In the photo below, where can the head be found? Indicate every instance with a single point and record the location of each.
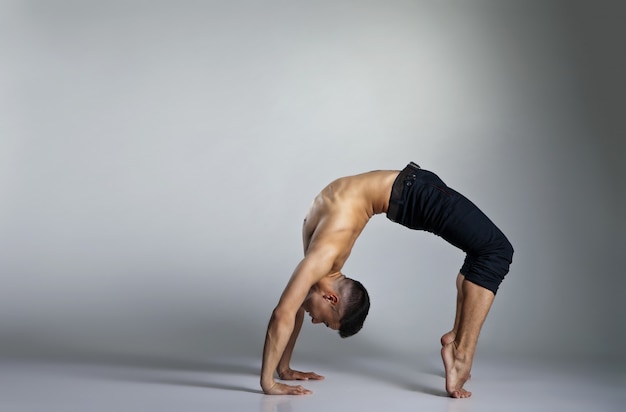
(340, 303)
(355, 307)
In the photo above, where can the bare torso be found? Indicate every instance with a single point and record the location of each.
(342, 209)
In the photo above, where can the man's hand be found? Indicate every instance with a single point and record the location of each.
(291, 375)
(282, 389)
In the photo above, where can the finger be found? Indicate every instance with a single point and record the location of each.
(299, 390)
(304, 391)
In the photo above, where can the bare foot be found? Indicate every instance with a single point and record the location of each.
(447, 339)
(457, 371)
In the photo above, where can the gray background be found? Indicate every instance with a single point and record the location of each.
(157, 159)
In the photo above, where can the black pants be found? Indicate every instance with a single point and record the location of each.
(420, 200)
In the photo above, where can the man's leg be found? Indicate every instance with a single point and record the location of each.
(458, 355)
(450, 336)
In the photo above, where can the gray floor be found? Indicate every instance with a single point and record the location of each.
(231, 384)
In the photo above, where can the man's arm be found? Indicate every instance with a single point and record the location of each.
(311, 269)
(284, 369)
(278, 332)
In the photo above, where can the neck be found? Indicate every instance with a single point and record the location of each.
(329, 282)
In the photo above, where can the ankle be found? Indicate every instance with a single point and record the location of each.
(461, 354)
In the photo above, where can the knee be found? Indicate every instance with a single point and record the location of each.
(506, 250)
(459, 283)
(509, 251)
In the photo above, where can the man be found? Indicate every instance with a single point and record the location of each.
(417, 199)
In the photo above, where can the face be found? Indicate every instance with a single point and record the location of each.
(320, 308)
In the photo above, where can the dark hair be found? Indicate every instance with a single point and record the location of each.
(356, 305)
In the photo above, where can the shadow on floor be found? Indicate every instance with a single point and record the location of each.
(190, 383)
(394, 372)
(412, 376)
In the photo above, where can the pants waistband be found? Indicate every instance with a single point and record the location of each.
(405, 178)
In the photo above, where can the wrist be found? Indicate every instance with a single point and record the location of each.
(284, 373)
(266, 384)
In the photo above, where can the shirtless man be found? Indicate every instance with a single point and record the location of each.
(417, 199)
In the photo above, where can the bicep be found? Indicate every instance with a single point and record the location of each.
(309, 271)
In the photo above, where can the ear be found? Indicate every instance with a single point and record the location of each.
(331, 297)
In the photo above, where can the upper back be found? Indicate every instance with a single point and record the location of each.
(341, 210)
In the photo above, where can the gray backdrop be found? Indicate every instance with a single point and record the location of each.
(157, 159)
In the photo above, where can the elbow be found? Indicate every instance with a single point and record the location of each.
(282, 318)
(278, 315)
